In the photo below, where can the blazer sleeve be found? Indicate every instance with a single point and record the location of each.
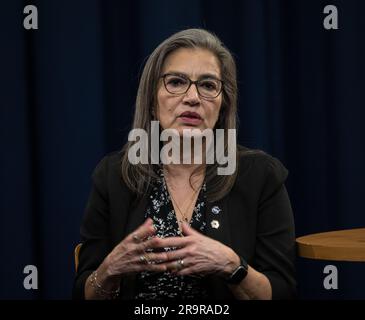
(94, 230)
(275, 246)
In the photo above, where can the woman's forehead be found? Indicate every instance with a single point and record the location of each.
(194, 63)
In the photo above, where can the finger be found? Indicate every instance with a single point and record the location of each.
(156, 268)
(187, 272)
(144, 231)
(148, 258)
(176, 265)
(152, 268)
(157, 243)
(188, 230)
(148, 244)
(176, 254)
(156, 257)
(168, 242)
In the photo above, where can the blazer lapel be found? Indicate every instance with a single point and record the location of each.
(218, 228)
(217, 220)
(136, 215)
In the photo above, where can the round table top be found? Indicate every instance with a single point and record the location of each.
(342, 245)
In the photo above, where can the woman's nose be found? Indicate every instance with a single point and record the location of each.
(192, 95)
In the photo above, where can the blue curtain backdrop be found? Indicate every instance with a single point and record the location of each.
(67, 96)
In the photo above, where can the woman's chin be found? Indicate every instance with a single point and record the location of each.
(189, 128)
(186, 130)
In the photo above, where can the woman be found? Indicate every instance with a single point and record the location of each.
(156, 231)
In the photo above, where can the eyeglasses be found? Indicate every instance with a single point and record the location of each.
(208, 88)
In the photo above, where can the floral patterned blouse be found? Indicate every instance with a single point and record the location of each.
(152, 285)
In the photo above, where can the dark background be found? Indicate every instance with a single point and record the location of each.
(67, 96)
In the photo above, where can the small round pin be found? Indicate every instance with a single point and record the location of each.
(214, 224)
(216, 210)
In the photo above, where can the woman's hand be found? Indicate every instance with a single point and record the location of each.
(130, 256)
(199, 255)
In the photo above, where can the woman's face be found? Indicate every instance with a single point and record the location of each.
(189, 110)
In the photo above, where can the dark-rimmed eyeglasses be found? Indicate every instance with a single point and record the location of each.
(208, 88)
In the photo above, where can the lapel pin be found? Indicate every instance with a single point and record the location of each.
(214, 224)
(216, 210)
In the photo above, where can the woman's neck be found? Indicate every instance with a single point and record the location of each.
(183, 170)
(179, 175)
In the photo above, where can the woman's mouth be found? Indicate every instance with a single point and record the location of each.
(191, 118)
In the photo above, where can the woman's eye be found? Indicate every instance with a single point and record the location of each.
(208, 85)
(176, 82)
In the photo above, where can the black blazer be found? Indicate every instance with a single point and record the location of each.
(256, 221)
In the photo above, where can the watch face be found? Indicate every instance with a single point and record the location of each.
(239, 274)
